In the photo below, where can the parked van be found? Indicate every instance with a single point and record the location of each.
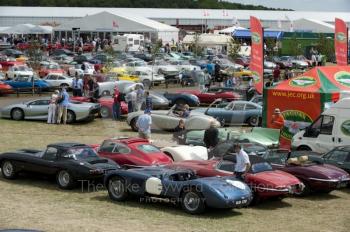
(128, 42)
(119, 43)
(329, 130)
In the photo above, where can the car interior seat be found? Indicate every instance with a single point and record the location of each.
(293, 161)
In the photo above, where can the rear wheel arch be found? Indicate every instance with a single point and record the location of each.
(304, 148)
(169, 155)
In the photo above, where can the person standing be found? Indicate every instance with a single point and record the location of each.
(75, 86)
(149, 104)
(277, 121)
(217, 71)
(201, 81)
(144, 123)
(139, 97)
(51, 118)
(62, 107)
(211, 136)
(80, 87)
(276, 74)
(242, 162)
(117, 98)
(128, 99)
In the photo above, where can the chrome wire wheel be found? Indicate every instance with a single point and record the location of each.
(8, 169)
(64, 178)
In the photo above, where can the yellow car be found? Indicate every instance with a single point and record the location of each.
(123, 77)
(237, 72)
(22, 58)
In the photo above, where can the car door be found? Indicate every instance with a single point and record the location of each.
(326, 138)
(165, 121)
(339, 158)
(342, 136)
(52, 80)
(46, 163)
(237, 115)
(37, 109)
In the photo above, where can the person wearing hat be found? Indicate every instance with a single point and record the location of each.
(277, 121)
(144, 123)
(51, 118)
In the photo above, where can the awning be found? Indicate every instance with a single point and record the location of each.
(267, 34)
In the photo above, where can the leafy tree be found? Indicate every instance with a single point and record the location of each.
(326, 46)
(234, 48)
(196, 48)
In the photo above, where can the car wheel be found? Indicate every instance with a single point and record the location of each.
(117, 190)
(17, 114)
(105, 113)
(256, 199)
(65, 180)
(306, 190)
(253, 121)
(192, 201)
(70, 117)
(133, 124)
(8, 170)
(106, 93)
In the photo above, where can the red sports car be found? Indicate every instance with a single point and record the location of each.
(5, 88)
(132, 152)
(106, 105)
(50, 68)
(213, 93)
(263, 180)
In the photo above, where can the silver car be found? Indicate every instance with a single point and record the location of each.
(56, 80)
(38, 110)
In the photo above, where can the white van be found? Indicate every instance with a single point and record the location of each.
(329, 130)
(119, 43)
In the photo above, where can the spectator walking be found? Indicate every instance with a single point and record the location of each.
(144, 123)
(211, 136)
(52, 114)
(276, 74)
(129, 101)
(117, 98)
(242, 162)
(62, 107)
(75, 86)
(148, 102)
(140, 93)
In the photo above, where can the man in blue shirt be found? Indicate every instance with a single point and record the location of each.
(63, 103)
(144, 123)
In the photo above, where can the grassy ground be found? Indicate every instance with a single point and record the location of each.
(38, 204)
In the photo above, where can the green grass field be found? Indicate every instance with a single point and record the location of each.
(38, 203)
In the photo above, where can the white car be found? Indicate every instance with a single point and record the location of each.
(162, 67)
(107, 88)
(58, 80)
(184, 65)
(168, 120)
(77, 70)
(181, 153)
(146, 77)
(19, 71)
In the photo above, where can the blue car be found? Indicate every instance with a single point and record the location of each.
(25, 83)
(235, 113)
(182, 98)
(194, 194)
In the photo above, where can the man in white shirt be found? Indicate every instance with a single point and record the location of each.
(242, 162)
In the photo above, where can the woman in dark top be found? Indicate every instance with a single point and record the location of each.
(180, 132)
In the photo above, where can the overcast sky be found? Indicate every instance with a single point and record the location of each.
(306, 5)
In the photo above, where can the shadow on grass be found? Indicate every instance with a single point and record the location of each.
(345, 190)
(169, 207)
(272, 204)
(317, 196)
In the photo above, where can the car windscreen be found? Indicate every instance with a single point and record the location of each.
(261, 167)
(148, 148)
(80, 153)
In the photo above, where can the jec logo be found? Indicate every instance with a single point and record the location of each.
(343, 78)
(303, 81)
(256, 38)
(341, 37)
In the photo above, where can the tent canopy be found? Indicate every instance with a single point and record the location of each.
(107, 22)
(27, 29)
(247, 34)
(230, 30)
(327, 79)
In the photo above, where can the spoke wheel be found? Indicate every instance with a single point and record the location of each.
(117, 189)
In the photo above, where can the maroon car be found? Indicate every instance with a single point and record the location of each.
(262, 179)
(315, 176)
(213, 93)
(132, 152)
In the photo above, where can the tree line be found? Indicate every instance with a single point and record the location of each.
(191, 4)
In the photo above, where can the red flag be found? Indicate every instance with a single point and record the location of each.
(341, 42)
(115, 24)
(257, 53)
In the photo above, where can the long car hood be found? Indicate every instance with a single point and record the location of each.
(324, 170)
(275, 178)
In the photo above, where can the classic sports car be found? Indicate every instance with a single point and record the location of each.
(69, 162)
(235, 113)
(46, 68)
(180, 153)
(19, 71)
(181, 99)
(210, 95)
(5, 88)
(265, 136)
(38, 110)
(25, 82)
(169, 120)
(316, 177)
(106, 103)
(262, 179)
(131, 152)
(183, 185)
(56, 80)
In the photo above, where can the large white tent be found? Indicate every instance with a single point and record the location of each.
(26, 29)
(111, 23)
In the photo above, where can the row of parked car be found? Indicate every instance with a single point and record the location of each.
(195, 178)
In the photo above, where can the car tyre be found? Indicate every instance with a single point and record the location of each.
(133, 125)
(253, 121)
(117, 189)
(65, 180)
(105, 112)
(17, 114)
(306, 191)
(106, 93)
(304, 148)
(192, 201)
(70, 117)
(8, 170)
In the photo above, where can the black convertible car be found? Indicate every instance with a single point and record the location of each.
(69, 162)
